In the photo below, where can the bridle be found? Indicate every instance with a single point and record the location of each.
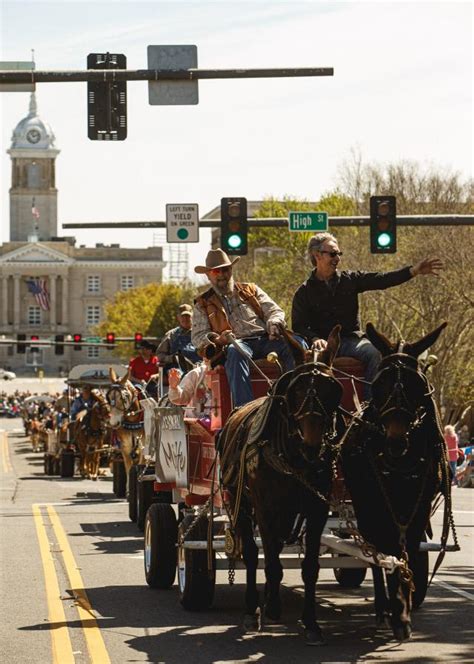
(125, 396)
(398, 400)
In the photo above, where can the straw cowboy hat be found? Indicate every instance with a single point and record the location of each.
(214, 259)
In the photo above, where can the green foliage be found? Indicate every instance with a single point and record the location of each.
(149, 309)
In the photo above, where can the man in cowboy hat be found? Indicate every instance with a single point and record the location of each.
(244, 310)
(176, 345)
(144, 367)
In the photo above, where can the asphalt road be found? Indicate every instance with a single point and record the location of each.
(73, 589)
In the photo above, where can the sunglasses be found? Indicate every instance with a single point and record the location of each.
(333, 254)
(219, 270)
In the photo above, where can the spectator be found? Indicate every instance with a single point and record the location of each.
(451, 440)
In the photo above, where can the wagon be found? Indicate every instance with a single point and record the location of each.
(96, 376)
(193, 543)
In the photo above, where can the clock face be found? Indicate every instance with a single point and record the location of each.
(33, 136)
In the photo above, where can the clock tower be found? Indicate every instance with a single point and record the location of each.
(33, 193)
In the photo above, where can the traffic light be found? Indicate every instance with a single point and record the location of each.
(20, 347)
(58, 346)
(383, 225)
(107, 102)
(77, 338)
(138, 339)
(234, 226)
(34, 349)
(110, 340)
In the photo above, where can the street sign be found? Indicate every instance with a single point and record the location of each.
(307, 221)
(92, 340)
(171, 58)
(182, 222)
(12, 65)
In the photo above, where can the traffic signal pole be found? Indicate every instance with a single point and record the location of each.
(282, 222)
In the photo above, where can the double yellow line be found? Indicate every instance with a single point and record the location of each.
(6, 463)
(61, 642)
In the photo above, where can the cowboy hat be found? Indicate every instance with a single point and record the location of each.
(147, 345)
(215, 258)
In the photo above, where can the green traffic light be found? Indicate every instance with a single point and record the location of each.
(234, 241)
(384, 240)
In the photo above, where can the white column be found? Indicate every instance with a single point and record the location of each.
(16, 301)
(4, 301)
(65, 299)
(52, 294)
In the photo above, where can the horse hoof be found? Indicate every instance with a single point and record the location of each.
(402, 633)
(314, 637)
(251, 622)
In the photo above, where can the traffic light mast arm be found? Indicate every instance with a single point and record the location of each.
(112, 76)
(282, 222)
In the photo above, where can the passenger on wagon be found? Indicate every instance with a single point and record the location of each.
(178, 342)
(330, 297)
(191, 391)
(82, 402)
(144, 368)
(248, 313)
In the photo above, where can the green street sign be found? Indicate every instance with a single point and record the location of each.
(93, 340)
(307, 221)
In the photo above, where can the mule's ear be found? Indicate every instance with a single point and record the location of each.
(419, 346)
(380, 342)
(112, 375)
(126, 377)
(334, 341)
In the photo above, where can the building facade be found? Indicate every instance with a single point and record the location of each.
(48, 285)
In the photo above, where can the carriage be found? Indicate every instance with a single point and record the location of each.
(97, 377)
(183, 452)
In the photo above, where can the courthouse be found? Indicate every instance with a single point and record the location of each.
(48, 285)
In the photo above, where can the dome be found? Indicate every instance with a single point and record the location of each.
(32, 131)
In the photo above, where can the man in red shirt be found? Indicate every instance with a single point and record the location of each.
(145, 366)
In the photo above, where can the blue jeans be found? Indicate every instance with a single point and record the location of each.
(453, 465)
(363, 350)
(237, 366)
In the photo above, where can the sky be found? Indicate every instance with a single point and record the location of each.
(402, 89)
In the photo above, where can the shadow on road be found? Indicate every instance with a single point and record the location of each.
(172, 634)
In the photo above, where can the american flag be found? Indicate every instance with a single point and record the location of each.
(35, 211)
(37, 287)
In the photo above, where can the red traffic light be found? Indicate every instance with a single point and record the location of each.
(77, 338)
(35, 348)
(110, 337)
(34, 337)
(138, 336)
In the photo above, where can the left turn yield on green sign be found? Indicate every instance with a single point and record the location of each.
(182, 222)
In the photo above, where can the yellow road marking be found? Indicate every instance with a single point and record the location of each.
(60, 641)
(95, 643)
(7, 466)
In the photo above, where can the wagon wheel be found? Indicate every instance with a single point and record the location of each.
(420, 568)
(67, 463)
(350, 577)
(144, 500)
(161, 534)
(132, 493)
(120, 479)
(196, 584)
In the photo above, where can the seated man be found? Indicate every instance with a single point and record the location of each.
(244, 310)
(144, 368)
(177, 342)
(83, 402)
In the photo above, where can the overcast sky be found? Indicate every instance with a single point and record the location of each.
(402, 89)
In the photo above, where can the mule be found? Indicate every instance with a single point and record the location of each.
(394, 465)
(277, 456)
(88, 432)
(125, 418)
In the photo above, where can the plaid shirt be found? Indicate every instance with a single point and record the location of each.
(243, 319)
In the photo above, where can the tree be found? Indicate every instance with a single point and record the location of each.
(149, 309)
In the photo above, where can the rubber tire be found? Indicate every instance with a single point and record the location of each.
(48, 467)
(421, 572)
(145, 495)
(132, 493)
(350, 577)
(120, 479)
(161, 536)
(66, 464)
(196, 588)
